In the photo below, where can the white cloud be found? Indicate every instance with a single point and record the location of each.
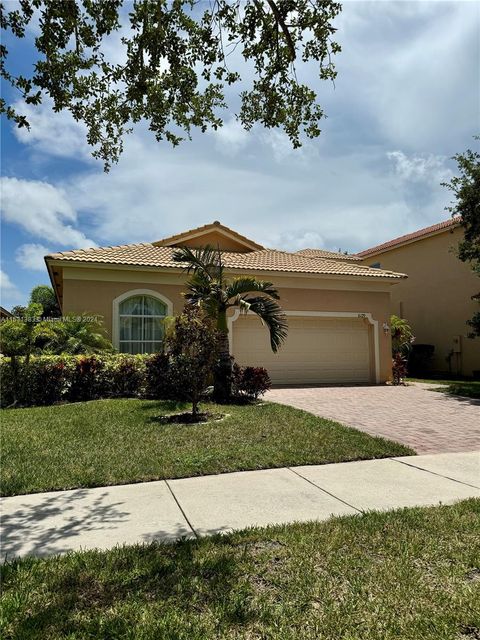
(346, 200)
(279, 144)
(5, 283)
(404, 102)
(409, 71)
(56, 134)
(31, 256)
(9, 293)
(42, 210)
(231, 137)
(420, 168)
(296, 240)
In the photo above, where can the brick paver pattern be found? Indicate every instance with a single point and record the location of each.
(426, 420)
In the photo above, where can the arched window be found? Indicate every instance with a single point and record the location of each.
(141, 324)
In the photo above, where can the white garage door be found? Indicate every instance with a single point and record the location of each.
(317, 350)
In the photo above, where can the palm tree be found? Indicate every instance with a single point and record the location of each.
(77, 334)
(208, 288)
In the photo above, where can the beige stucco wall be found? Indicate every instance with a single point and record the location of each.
(436, 297)
(93, 290)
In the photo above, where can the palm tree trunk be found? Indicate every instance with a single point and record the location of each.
(222, 385)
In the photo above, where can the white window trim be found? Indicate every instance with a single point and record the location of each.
(325, 314)
(130, 294)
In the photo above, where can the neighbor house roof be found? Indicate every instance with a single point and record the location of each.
(152, 255)
(330, 255)
(410, 237)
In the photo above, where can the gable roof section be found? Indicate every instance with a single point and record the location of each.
(329, 255)
(152, 255)
(217, 227)
(410, 237)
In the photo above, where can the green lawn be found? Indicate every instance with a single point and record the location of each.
(107, 442)
(411, 574)
(466, 388)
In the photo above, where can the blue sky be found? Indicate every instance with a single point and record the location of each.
(405, 100)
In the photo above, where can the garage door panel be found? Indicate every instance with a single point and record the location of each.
(317, 350)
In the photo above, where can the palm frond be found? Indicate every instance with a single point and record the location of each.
(204, 260)
(198, 286)
(271, 314)
(241, 286)
(201, 291)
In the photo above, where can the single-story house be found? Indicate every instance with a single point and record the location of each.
(338, 309)
(438, 297)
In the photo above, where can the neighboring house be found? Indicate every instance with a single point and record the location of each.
(338, 310)
(438, 297)
(4, 314)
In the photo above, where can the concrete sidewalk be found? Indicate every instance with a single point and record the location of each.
(56, 522)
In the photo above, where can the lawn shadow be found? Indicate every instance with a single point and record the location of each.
(168, 406)
(63, 521)
(447, 392)
(50, 524)
(180, 575)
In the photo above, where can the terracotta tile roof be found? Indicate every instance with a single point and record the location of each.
(149, 255)
(330, 255)
(416, 235)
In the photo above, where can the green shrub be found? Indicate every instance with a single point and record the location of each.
(50, 379)
(9, 382)
(402, 335)
(40, 381)
(127, 376)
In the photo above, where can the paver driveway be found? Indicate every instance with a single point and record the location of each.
(426, 420)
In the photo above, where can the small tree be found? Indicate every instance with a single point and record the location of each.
(45, 295)
(191, 344)
(18, 340)
(18, 335)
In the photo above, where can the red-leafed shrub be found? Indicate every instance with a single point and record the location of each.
(250, 382)
(126, 378)
(158, 379)
(86, 380)
(49, 381)
(399, 368)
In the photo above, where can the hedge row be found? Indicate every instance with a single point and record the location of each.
(47, 380)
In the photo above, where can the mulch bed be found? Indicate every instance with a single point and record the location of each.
(189, 418)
